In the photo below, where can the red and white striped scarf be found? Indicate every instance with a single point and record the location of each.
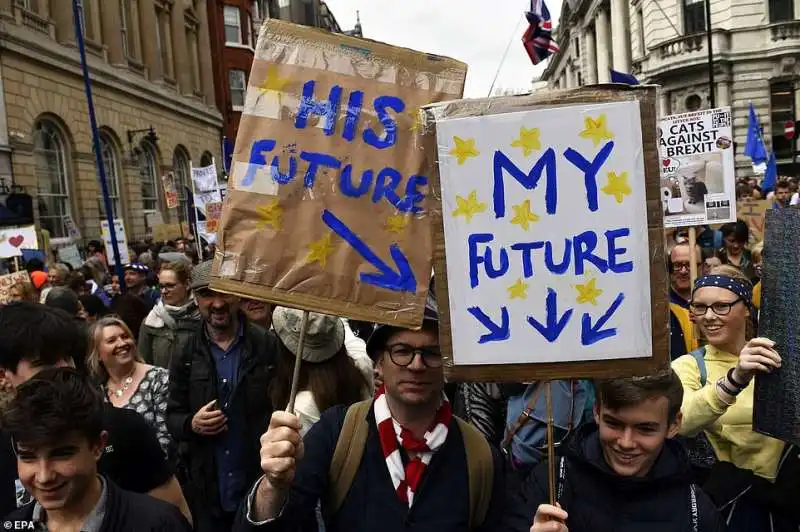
(407, 479)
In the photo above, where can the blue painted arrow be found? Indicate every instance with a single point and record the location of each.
(591, 334)
(497, 333)
(555, 325)
(401, 280)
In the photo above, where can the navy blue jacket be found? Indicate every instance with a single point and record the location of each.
(440, 505)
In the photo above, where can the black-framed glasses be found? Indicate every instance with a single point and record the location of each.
(720, 308)
(403, 355)
(167, 287)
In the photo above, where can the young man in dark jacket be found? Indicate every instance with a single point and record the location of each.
(625, 474)
(414, 472)
(56, 425)
(35, 337)
(218, 404)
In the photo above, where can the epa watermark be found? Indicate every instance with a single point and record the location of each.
(19, 525)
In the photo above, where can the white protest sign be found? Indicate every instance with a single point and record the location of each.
(698, 175)
(71, 255)
(202, 198)
(205, 178)
(14, 240)
(205, 234)
(72, 229)
(545, 228)
(122, 241)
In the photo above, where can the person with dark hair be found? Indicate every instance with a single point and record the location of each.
(681, 332)
(136, 281)
(782, 194)
(34, 337)
(131, 309)
(34, 265)
(257, 311)
(57, 459)
(735, 236)
(328, 376)
(624, 473)
(93, 307)
(64, 298)
(218, 404)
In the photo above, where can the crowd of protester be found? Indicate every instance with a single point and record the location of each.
(163, 408)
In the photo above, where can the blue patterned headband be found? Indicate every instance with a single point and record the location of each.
(741, 289)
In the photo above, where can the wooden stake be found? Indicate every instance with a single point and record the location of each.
(297, 361)
(551, 446)
(693, 260)
(16, 263)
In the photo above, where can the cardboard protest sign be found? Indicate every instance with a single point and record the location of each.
(328, 196)
(7, 281)
(205, 178)
(122, 241)
(776, 408)
(170, 191)
(752, 213)
(72, 229)
(71, 255)
(549, 242)
(213, 216)
(14, 240)
(698, 176)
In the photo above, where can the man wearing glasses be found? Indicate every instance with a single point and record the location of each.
(218, 405)
(416, 471)
(681, 333)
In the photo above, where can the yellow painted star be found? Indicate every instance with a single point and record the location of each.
(596, 130)
(271, 215)
(318, 251)
(464, 149)
(396, 223)
(528, 140)
(518, 290)
(416, 117)
(617, 186)
(468, 207)
(588, 293)
(273, 81)
(523, 215)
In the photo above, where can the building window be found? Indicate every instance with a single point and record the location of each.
(180, 168)
(149, 178)
(781, 10)
(129, 21)
(233, 25)
(123, 13)
(693, 103)
(579, 79)
(310, 12)
(206, 159)
(52, 177)
(248, 28)
(640, 32)
(111, 167)
(24, 4)
(694, 16)
(781, 110)
(238, 87)
(577, 43)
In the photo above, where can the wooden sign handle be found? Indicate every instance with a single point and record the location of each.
(297, 361)
(692, 255)
(551, 446)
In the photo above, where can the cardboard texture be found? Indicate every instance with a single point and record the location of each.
(646, 96)
(349, 235)
(752, 213)
(164, 232)
(776, 408)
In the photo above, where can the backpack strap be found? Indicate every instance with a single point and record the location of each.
(699, 355)
(347, 455)
(523, 418)
(480, 470)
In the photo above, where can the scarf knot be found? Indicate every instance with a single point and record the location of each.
(407, 479)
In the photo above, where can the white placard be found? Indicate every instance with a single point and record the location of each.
(201, 198)
(545, 228)
(122, 241)
(71, 255)
(14, 240)
(698, 175)
(72, 229)
(205, 178)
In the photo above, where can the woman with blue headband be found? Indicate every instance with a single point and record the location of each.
(718, 403)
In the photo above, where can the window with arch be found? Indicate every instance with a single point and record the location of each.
(181, 169)
(206, 159)
(112, 170)
(148, 174)
(52, 177)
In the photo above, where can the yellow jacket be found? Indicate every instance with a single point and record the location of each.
(729, 428)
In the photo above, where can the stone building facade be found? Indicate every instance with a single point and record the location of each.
(756, 51)
(150, 65)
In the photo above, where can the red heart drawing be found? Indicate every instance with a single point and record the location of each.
(16, 241)
(666, 162)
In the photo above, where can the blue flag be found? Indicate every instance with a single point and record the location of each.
(622, 77)
(771, 176)
(227, 154)
(754, 147)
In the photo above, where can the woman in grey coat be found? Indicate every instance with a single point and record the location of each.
(169, 325)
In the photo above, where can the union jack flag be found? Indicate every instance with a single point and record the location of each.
(538, 38)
